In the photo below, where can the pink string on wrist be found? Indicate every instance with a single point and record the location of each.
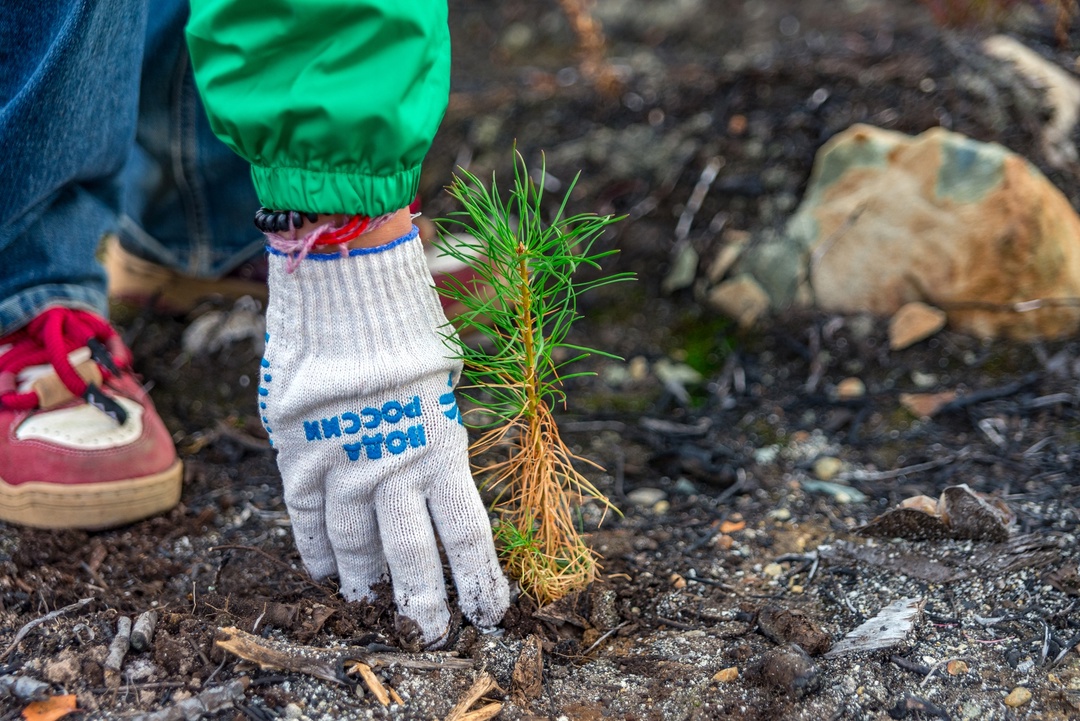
(296, 248)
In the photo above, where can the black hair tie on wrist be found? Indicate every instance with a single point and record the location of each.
(277, 221)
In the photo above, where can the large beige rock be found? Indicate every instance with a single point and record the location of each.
(968, 227)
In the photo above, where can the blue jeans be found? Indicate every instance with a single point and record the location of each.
(102, 131)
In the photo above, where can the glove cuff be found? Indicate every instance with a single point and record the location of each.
(376, 304)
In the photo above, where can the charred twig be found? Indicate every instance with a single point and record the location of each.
(244, 440)
(990, 394)
(117, 651)
(212, 700)
(693, 205)
(897, 472)
(911, 703)
(27, 628)
(142, 634)
(808, 559)
(675, 624)
(937, 666)
(817, 367)
(1068, 646)
(197, 650)
(24, 688)
(919, 668)
(711, 582)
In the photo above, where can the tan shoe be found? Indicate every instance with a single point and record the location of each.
(135, 283)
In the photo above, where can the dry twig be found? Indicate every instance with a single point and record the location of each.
(592, 45)
(38, 621)
(322, 663)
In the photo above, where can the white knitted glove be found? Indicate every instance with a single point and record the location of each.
(357, 396)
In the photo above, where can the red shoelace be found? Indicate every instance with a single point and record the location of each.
(49, 338)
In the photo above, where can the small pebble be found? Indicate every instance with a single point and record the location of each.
(732, 525)
(923, 381)
(645, 496)
(956, 667)
(780, 514)
(787, 669)
(677, 581)
(785, 625)
(850, 389)
(826, 468)
(726, 675)
(773, 570)
(724, 542)
(1017, 697)
(661, 507)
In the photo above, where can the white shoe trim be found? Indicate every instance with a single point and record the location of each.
(83, 427)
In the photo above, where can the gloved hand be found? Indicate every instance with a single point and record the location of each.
(357, 397)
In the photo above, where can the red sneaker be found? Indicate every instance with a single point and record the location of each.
(81, 445)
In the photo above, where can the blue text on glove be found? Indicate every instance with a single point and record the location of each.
(372, 445)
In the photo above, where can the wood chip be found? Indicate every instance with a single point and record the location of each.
(926, 405)
(888, 628)
(372, 682)
(527, 681)
(484, 684)
(50, 709)
(483, 713)
(914, 322)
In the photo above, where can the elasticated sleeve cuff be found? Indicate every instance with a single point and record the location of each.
(335, 191)
(333, 102)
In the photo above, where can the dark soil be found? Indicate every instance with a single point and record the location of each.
(729, 549)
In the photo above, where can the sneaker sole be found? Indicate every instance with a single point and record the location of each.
(91, 506)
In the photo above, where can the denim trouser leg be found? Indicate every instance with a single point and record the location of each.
(74, 167)
(69, 76)
(188, 199)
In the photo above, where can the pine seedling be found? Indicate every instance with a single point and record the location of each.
(522, 304)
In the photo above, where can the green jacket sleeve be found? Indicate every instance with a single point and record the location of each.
(333, 102)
